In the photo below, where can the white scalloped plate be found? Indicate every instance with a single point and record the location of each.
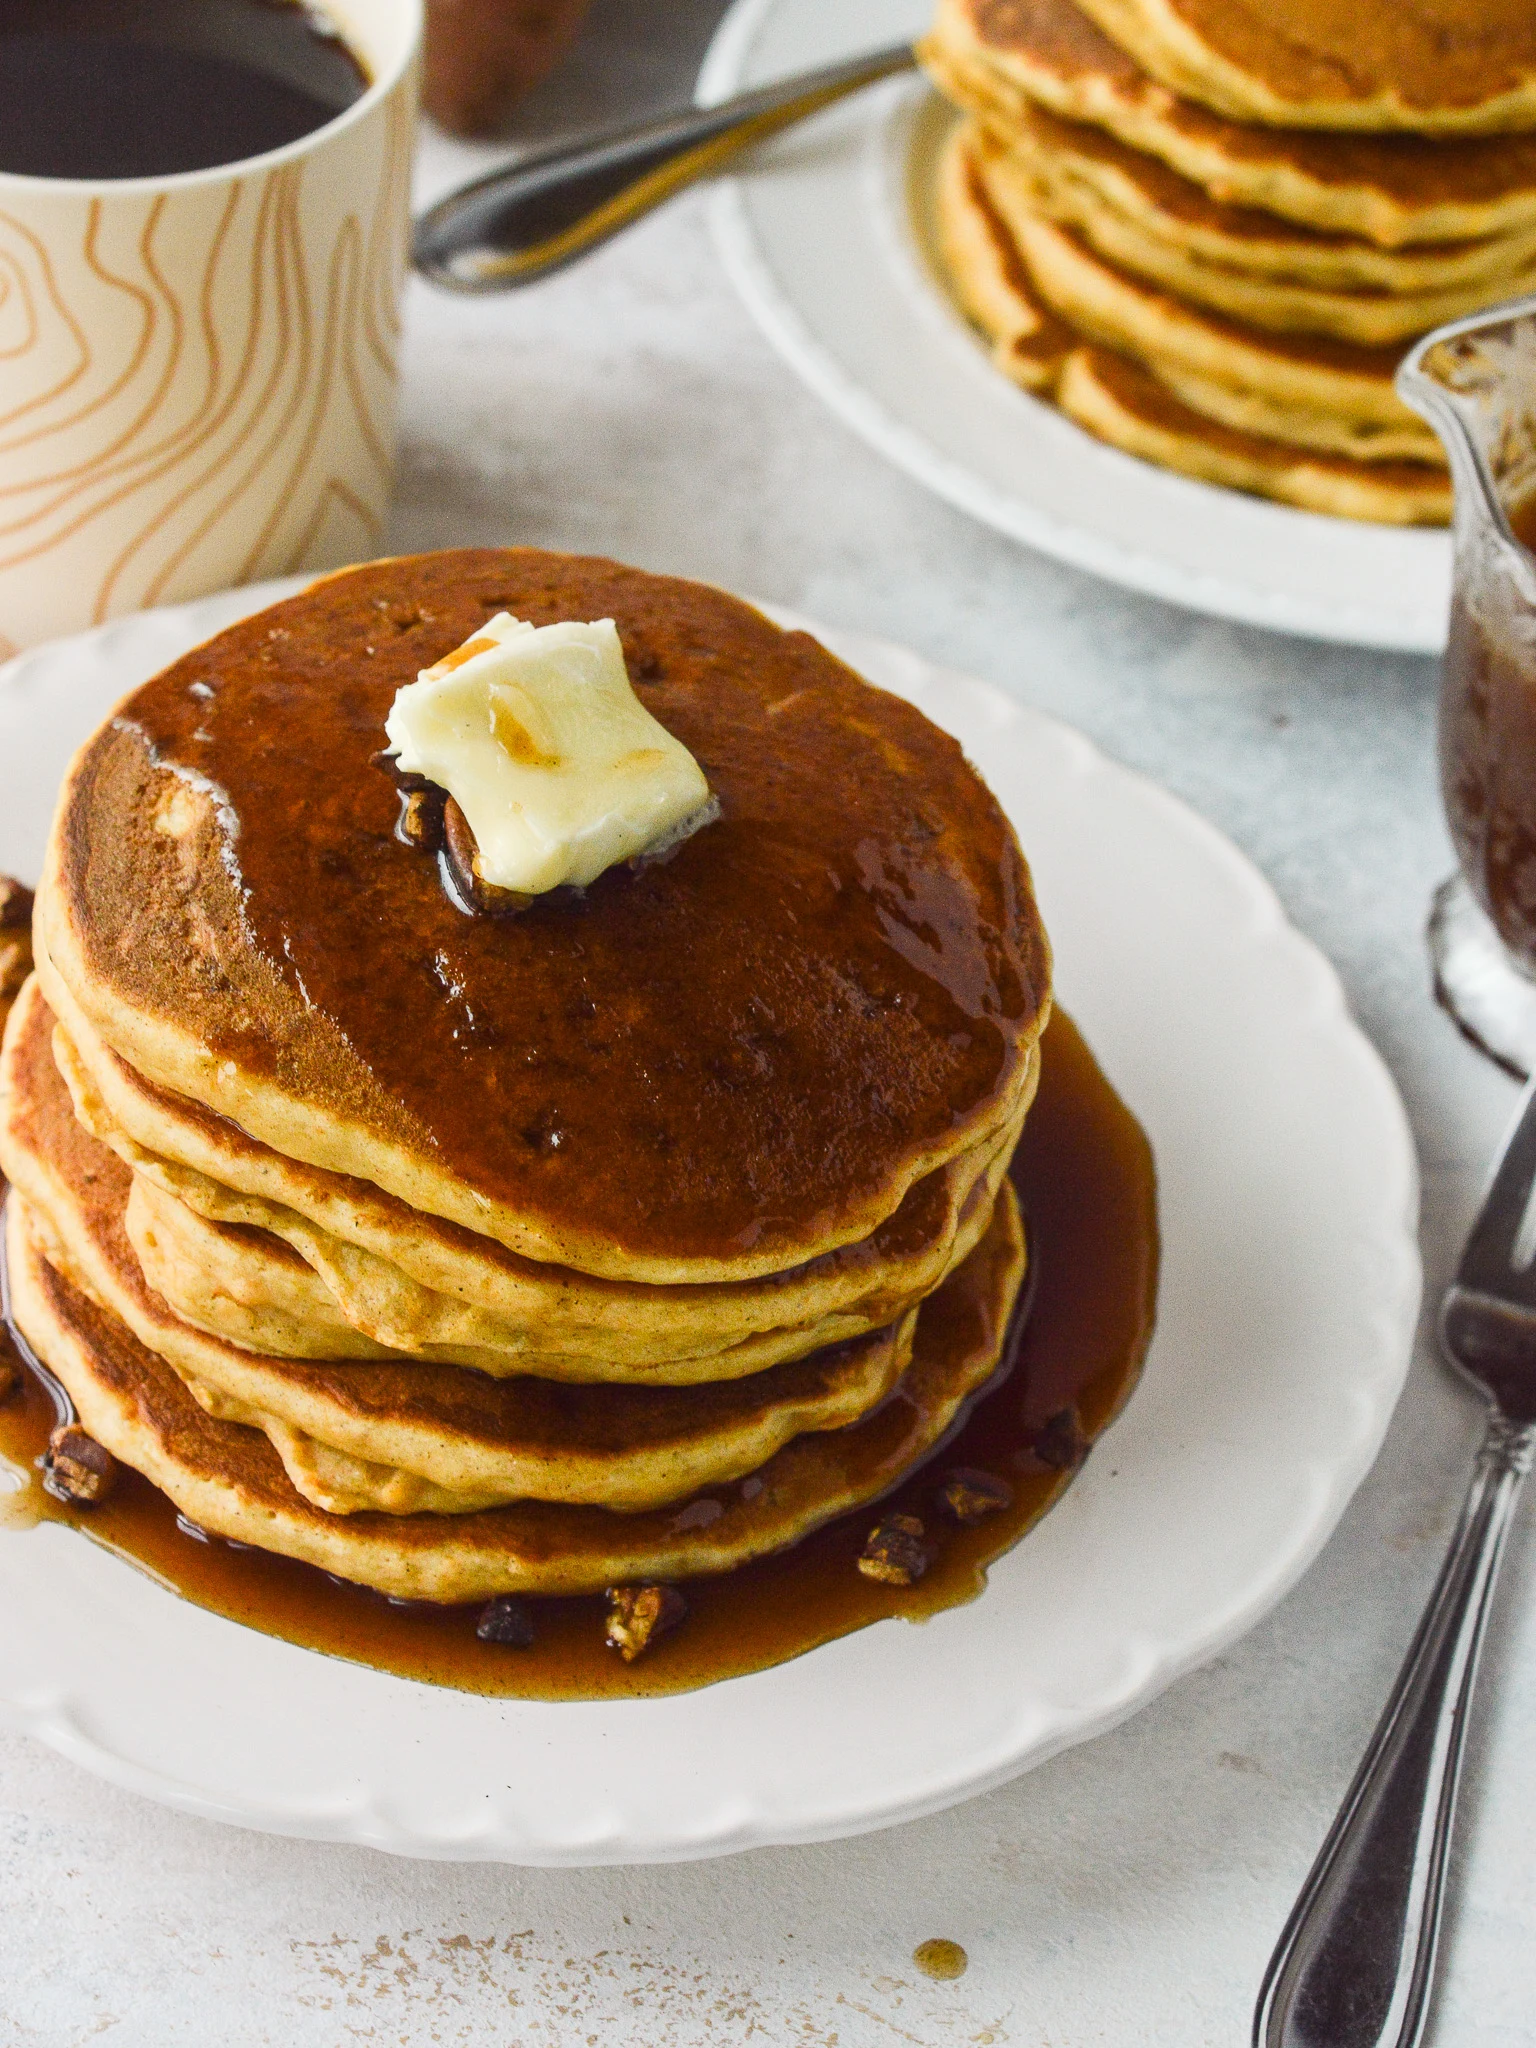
(825, 241)
(1289, 1294)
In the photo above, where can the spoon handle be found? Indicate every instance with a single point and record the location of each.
(543, 211)
(1354, 1965)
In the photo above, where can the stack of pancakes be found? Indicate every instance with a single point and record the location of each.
(1211, 230)
(626, 1239)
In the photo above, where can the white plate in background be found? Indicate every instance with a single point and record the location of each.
(1290, 1286)
(824, 242)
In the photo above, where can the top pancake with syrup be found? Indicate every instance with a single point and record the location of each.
(706, 1069)
(997, 56)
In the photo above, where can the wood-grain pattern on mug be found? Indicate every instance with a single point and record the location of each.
(197, 386)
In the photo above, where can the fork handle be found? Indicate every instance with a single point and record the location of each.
(1354, 1965)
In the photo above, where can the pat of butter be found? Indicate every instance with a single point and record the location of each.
(537, 734)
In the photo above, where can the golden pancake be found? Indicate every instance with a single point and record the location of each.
(415, 1283)
(239, 1281)
(1438, 67)
(1123, 404)
(1085, 1178)
(1366, 444)
(246, 1284)
(1141, 213)
(1308, 374)
(1370, 316)
(711, 1069)
(1380, 469)
(1029, 342)
(997, 58)
(228, 1479)
(410, 1435)
(416, 1434)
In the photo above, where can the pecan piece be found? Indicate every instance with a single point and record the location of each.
(895, 1552)
(15, 965)
(77, 1468)
(421, 819)
(420, 823)
(641, 1615)
(463, 858)
(402, 778)
(968, 1496)
(15, 905)
(506, 1620)
(10, 1368)
(15, 939)
(1059, 1442)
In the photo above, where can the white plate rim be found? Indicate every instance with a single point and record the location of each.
(1411, 621)
(77, 1716)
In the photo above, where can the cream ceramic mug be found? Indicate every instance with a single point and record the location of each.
(197, 372)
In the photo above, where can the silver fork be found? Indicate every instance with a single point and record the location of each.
(1355, 1964)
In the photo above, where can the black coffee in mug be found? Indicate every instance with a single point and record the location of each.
(143, 88)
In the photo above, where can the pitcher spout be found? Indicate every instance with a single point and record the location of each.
(1474, 381)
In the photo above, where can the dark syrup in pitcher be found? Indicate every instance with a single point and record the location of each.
(103, 89)
(1488, 753)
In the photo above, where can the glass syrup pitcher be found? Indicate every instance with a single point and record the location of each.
(1475, 382)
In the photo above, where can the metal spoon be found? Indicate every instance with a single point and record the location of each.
(1355, 1964)
(520, 223)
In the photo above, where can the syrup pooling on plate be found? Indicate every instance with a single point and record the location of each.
(1085, 1177)
(700, 1060)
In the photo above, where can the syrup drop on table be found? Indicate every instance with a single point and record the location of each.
(1086, 1181)
(944, 1960)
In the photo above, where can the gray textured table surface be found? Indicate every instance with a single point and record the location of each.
(1129, 1891)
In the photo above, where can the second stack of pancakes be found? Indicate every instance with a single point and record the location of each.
(1211, 232)
(626, 1238)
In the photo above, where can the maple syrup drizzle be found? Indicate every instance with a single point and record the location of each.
(710, 1067)
(1085, 1176)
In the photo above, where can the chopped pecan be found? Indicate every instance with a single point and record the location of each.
(1060, 1442)
(895, 1553)
(641, 1615)
(968, 1496)
(421, 819)
(15, 965)
(15, 905)
(506, 1620)
(432, 821)
(420, 823)
(389, 761)
(10, 1368)
(15, 939)
(463, 857)
(77, 1468)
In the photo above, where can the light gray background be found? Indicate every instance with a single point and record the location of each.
(1128, 1892)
